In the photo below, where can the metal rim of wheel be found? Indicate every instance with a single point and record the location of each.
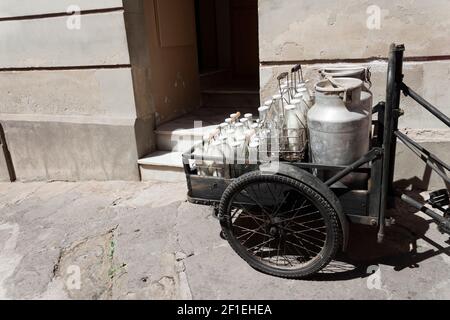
(279, 225)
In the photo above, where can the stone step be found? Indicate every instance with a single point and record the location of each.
(181, 134)
(229, 98)
(181, 140)
(162, 166)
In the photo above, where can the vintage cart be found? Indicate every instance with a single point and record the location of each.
(284, 221)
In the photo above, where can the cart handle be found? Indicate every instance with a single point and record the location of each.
(282, 76)
(296, 68)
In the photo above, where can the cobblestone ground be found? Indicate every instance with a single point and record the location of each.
(121, 240)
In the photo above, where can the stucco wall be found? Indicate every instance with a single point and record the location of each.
(68, 104)
(318, 33)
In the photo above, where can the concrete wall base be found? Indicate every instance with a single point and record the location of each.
(68, 151)
(4, 174)
(412, 173)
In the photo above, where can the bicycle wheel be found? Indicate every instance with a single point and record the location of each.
(279, 225)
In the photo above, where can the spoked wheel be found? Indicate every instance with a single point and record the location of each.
(279, 225)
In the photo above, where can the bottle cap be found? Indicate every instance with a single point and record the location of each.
(290, 107)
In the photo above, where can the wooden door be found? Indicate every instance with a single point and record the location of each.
(207, 35)
(244, 39)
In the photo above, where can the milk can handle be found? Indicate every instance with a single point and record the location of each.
(346, 96)
(334, 83)
(283, 76)
(368, 76)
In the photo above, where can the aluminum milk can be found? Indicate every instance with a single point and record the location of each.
(338, 128)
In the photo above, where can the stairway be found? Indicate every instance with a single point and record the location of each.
(178, 136)
(172, 139)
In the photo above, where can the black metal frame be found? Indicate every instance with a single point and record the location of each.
(360, 206)
(396, 86)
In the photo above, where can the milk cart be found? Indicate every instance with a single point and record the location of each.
(285, 221)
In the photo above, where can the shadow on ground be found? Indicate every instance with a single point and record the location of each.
(399, 250)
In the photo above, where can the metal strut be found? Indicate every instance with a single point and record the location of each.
(395, 86)
(394, 81)
(370, 156)
(444, 223)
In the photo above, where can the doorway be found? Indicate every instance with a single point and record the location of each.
(227, 40)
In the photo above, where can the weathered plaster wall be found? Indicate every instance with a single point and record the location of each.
(318, 33)
(18, 8)
(337, 29)
(68, 103)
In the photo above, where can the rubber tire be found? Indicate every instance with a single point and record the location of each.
(334, 230)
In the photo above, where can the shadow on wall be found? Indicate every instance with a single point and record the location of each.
(7, 155)
(416, 183)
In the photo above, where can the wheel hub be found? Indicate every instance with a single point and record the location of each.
(274, 231)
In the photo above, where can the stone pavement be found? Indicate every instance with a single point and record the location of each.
(124, 240)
